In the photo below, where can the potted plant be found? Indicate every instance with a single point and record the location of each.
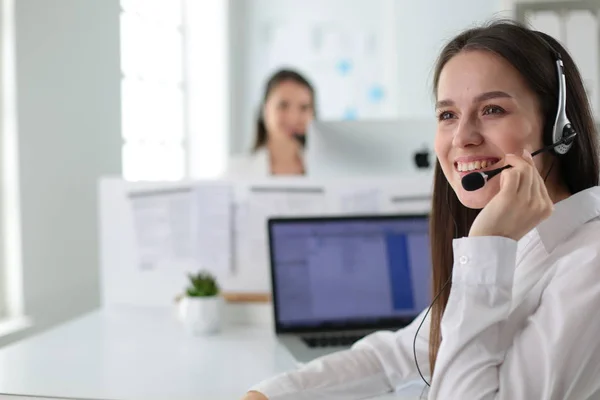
(200, 306)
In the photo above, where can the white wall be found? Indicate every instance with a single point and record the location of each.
(3, 33)
(68, 90)
(421, 28)
(11, 232)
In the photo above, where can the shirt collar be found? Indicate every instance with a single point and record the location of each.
(568, 216)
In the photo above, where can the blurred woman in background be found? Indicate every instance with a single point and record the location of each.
(287, 109)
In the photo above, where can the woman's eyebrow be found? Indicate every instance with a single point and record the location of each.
(482, 97)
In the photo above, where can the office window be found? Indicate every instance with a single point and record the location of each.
(153, 90)
(11, 274)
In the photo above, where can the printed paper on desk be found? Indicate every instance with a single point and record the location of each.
(188, 226)
(257, 204)
(213, 226)
(162, 223)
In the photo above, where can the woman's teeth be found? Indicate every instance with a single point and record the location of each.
(474, 165)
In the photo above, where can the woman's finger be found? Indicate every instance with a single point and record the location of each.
(537, 190)
(522, 167)
(527, 185)
(543, 194)
(509, 180)
(528, 158)
(540, 200)
(534, 187)
(517, 161)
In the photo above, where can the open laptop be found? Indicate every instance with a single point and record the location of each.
(337, 279)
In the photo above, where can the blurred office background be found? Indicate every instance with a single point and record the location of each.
(157, 90)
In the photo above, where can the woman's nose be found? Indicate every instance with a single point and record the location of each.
(467, 134)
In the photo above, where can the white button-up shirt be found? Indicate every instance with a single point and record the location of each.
(522, 323)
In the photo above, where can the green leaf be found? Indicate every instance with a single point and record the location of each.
(203, 284)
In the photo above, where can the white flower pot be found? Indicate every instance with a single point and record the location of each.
(201, 315)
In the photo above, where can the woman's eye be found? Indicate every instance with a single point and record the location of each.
(490, 110)
(444, 115)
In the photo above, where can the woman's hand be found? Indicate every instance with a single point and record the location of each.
(520, 205)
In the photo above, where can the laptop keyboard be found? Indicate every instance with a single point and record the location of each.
(331, 340)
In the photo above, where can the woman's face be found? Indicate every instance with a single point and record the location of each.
(485, 111)
(288, 110)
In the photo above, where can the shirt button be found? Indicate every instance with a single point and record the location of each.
(463, 259)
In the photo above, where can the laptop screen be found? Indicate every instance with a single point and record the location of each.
(349, 270)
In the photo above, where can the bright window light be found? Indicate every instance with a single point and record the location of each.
(152, 87)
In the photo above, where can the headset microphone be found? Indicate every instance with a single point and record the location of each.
(477, 180)
(301, 138)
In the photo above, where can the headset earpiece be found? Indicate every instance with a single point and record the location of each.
(562, 126)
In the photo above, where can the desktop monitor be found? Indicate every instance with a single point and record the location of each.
(369, 148)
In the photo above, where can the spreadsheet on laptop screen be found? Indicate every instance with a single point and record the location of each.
(344, 270)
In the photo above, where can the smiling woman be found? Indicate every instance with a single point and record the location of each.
(516, 264)
(499, 101)
(484, 118)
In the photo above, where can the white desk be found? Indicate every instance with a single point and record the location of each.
(133, 353)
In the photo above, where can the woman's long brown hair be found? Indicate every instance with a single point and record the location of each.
(532, 54)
